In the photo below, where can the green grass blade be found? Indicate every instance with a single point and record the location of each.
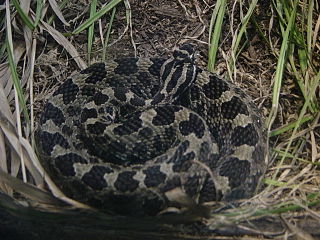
(23, 16)
(213, 19)
(289, 126)
(105, 45)
(289, 155)
(244, 22)
(93, 8)
(16, 81)
(13, 68)
(218, 14)
(310, 18)
(280, 67)
(38, 12)
(96, 16)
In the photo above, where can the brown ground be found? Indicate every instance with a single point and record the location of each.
(159, 25)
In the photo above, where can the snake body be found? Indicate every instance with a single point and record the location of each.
(138, 135)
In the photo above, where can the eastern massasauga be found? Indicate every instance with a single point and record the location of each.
(125, 134)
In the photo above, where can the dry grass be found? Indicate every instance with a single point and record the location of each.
(270, 49)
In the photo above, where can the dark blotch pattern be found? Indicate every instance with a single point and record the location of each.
(96, 71)
(232, 108)
(88, 90)
(104, 148)
(125, 182)
(154, 176)
(127, 110)
(127, 66)
(95, 177)
(195, 93)
(165, 115)
(215, 87)
(194, 125)
(100, 98)
(245, 135)
(53, 113)
(213, 111)
(49, 140)
(146, 84)
(163, 142)
(65, 163)
(120, 94)
(96, 128)
(236, 170)
(69, 91)
(88, 113)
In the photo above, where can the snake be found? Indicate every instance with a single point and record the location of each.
(136, 136)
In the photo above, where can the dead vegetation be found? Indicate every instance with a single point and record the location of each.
(272, 52)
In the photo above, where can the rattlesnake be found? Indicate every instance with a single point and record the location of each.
(139, 135)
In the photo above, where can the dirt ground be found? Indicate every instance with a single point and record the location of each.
(154, 28)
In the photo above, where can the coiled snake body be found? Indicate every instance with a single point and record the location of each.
(137, 135)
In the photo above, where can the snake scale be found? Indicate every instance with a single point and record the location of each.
(139, 135)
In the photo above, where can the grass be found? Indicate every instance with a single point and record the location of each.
(289, 37)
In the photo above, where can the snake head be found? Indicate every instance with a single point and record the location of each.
(177, 74)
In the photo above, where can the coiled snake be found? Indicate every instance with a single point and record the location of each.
(124, 135)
